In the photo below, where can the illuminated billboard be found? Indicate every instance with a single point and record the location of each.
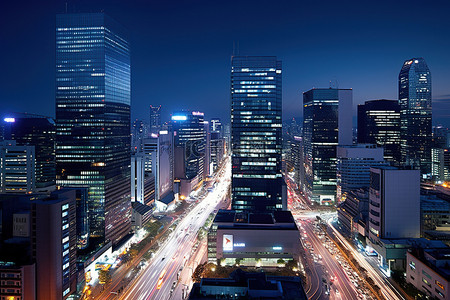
(227, 242)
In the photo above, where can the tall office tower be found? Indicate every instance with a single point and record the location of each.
(155, 119)
(379, 123)
(440, 164)
(440, 136)
(190, 137)
(414, 96)
(17, 168)
(40, 132)
(296, 161)
(256, 133)
(353, 167)
(216, 127)
(93, 118)
(327, 123)
(137, 135)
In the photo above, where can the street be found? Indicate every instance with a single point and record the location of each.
(166, 273)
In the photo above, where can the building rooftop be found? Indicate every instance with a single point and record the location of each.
(141, 208)
(242, 220)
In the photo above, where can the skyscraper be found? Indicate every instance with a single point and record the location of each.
(379, 123)
(327, 123)
(37, 131)
(93, 118)
(256, 133)
(414, 96)
(155, 119)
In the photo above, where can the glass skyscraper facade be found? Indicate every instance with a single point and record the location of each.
(155, 119)
(327, 123)
(190, 134)
(93, 118)
(40, 132)
(256, 105)
(379, 123)
(414, 96)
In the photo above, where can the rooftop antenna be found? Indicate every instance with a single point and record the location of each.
(66, 7)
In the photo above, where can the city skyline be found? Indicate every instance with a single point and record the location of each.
(173, 44)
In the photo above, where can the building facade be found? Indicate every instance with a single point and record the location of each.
(190, 138)
(253, 239)
(414, 96)
(393, 190)
(155, 119)
(17, 168)
(327, 123)
(353, 167)
(256, 135)
(379, 123)
(93, 117)
(40, 132)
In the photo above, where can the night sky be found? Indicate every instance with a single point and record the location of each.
(181, 49)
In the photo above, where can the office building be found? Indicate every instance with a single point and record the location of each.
(17, 168)
(414, 96)
(327, 123)
(40, 132)
(295, 161)
(251, 286)
(93, 118)
(155, 119)
(216, 127)
(38, 244)
(159, 161)
(17, 281)
(56, 244)
(353, 212)
(138, 133)
(379, 124)
(428, 270)
(393, 190)
(353, 167)
(256, 135)
(137, 177)
(253, 239)
(190, 139)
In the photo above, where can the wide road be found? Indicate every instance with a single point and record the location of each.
(322, 270)
(160, 278)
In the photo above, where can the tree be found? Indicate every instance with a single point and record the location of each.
(104, 277)
(292, 264)
(280, 261)
(238, 261)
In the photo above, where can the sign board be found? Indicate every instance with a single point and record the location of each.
(227, 242)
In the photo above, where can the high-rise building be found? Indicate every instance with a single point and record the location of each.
(327, 123)
(138, 133)
(256, 105)
(414, 96)
(392, 191)
(216, 127)
(93, 118)
(190, 137)
(155, 119)
(40, 132)
(56, 245)
(295, 161)
(17, 168)
(353, 167)
(379, 123)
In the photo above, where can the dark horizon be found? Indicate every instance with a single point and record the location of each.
(181, 52)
